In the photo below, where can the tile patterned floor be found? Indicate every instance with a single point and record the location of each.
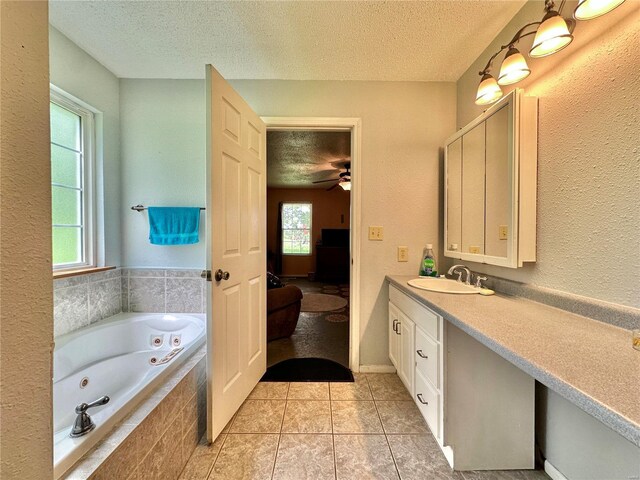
(318, 334)
(369, 429)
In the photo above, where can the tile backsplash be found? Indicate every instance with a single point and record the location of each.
(85, 299)
(163, 291)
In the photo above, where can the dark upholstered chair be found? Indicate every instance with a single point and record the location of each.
(283, 310)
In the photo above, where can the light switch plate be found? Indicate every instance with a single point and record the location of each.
(474, 249)
(503, 232)
(375, 233)
(403, 254)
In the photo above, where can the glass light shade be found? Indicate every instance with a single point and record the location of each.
(345, 185)
(551, 37)
(588, 9)
(488, 91)
(514, 68)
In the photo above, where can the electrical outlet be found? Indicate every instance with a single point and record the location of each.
(375, 233)
(474, 249)
(503, 232)
(403, 254)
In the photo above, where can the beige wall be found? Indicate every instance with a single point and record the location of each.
(329, 210)
(588, 229)
(404, 125)
(26, 306)
(589, 156)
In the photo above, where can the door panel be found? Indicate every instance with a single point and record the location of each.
(236, 239)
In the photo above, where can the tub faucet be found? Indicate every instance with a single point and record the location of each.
(83, 423)
(456, 268)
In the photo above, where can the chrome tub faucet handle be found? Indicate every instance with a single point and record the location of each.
(83, 423)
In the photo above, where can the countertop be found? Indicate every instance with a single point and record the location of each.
(590, 363)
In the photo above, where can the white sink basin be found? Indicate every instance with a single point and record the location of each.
(443, 285)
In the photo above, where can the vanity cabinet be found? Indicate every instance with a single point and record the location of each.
(490, 185)
(479, 407)
(401, 342)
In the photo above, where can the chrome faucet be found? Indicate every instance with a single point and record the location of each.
(83, 423)
(456, 268)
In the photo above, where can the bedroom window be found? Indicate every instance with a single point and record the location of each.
(72, 134)
(296, 228)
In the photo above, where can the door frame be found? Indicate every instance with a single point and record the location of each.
(354, 125)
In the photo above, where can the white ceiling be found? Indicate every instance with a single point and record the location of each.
(297, 158)
(292, 40)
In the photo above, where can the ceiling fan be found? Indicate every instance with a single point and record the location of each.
(344, 179)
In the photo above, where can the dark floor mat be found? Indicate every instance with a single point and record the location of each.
(307, 370)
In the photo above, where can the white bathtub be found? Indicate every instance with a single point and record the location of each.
(114, 357)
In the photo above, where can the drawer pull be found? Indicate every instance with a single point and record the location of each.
(422, 400)
(419, 352)
(398, 330)
(395, 322)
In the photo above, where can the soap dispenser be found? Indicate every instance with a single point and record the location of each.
(428, 263)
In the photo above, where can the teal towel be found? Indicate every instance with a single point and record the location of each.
(173, 225)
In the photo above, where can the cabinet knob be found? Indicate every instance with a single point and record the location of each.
(422, 400)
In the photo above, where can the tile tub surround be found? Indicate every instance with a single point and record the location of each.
(316, 434)
(85, 299)
(157, 290)
(588, 362)
(158, 437)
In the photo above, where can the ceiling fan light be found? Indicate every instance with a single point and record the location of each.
(514, 68)
(346, 185)
(488, 91)
(588, 9)
(552, 36)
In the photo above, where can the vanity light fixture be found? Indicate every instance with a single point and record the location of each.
(514, 68)
(488, 91)
(552, 34)
(588, 9)
(345, 185)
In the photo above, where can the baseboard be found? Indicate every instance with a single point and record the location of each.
(377, 369)
(553, 472)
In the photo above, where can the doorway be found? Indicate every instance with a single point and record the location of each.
(322, 260)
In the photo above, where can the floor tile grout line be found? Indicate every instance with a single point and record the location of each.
(388, 444)
(215, 460)
(284, 412)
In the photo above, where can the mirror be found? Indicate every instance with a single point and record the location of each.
(490, 185)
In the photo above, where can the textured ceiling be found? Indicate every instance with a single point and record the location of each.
(292, 40)
(296, 158)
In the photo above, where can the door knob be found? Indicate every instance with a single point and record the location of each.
(220, 275)
(206, 274)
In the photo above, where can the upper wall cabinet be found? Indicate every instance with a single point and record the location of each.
(490, 185)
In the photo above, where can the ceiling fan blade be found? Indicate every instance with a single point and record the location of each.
(330, 180)
(331, 188)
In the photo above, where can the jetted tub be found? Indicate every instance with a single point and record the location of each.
(123, 357)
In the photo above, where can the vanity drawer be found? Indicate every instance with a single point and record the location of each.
(421, 315)
(427, 347)
(428, 400)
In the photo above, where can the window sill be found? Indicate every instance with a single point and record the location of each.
(79, 271)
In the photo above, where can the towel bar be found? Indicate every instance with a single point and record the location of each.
(140, 208)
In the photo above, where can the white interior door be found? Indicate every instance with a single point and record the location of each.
(236, 234)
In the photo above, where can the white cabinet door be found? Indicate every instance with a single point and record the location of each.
(394, 338)
(407, 360)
